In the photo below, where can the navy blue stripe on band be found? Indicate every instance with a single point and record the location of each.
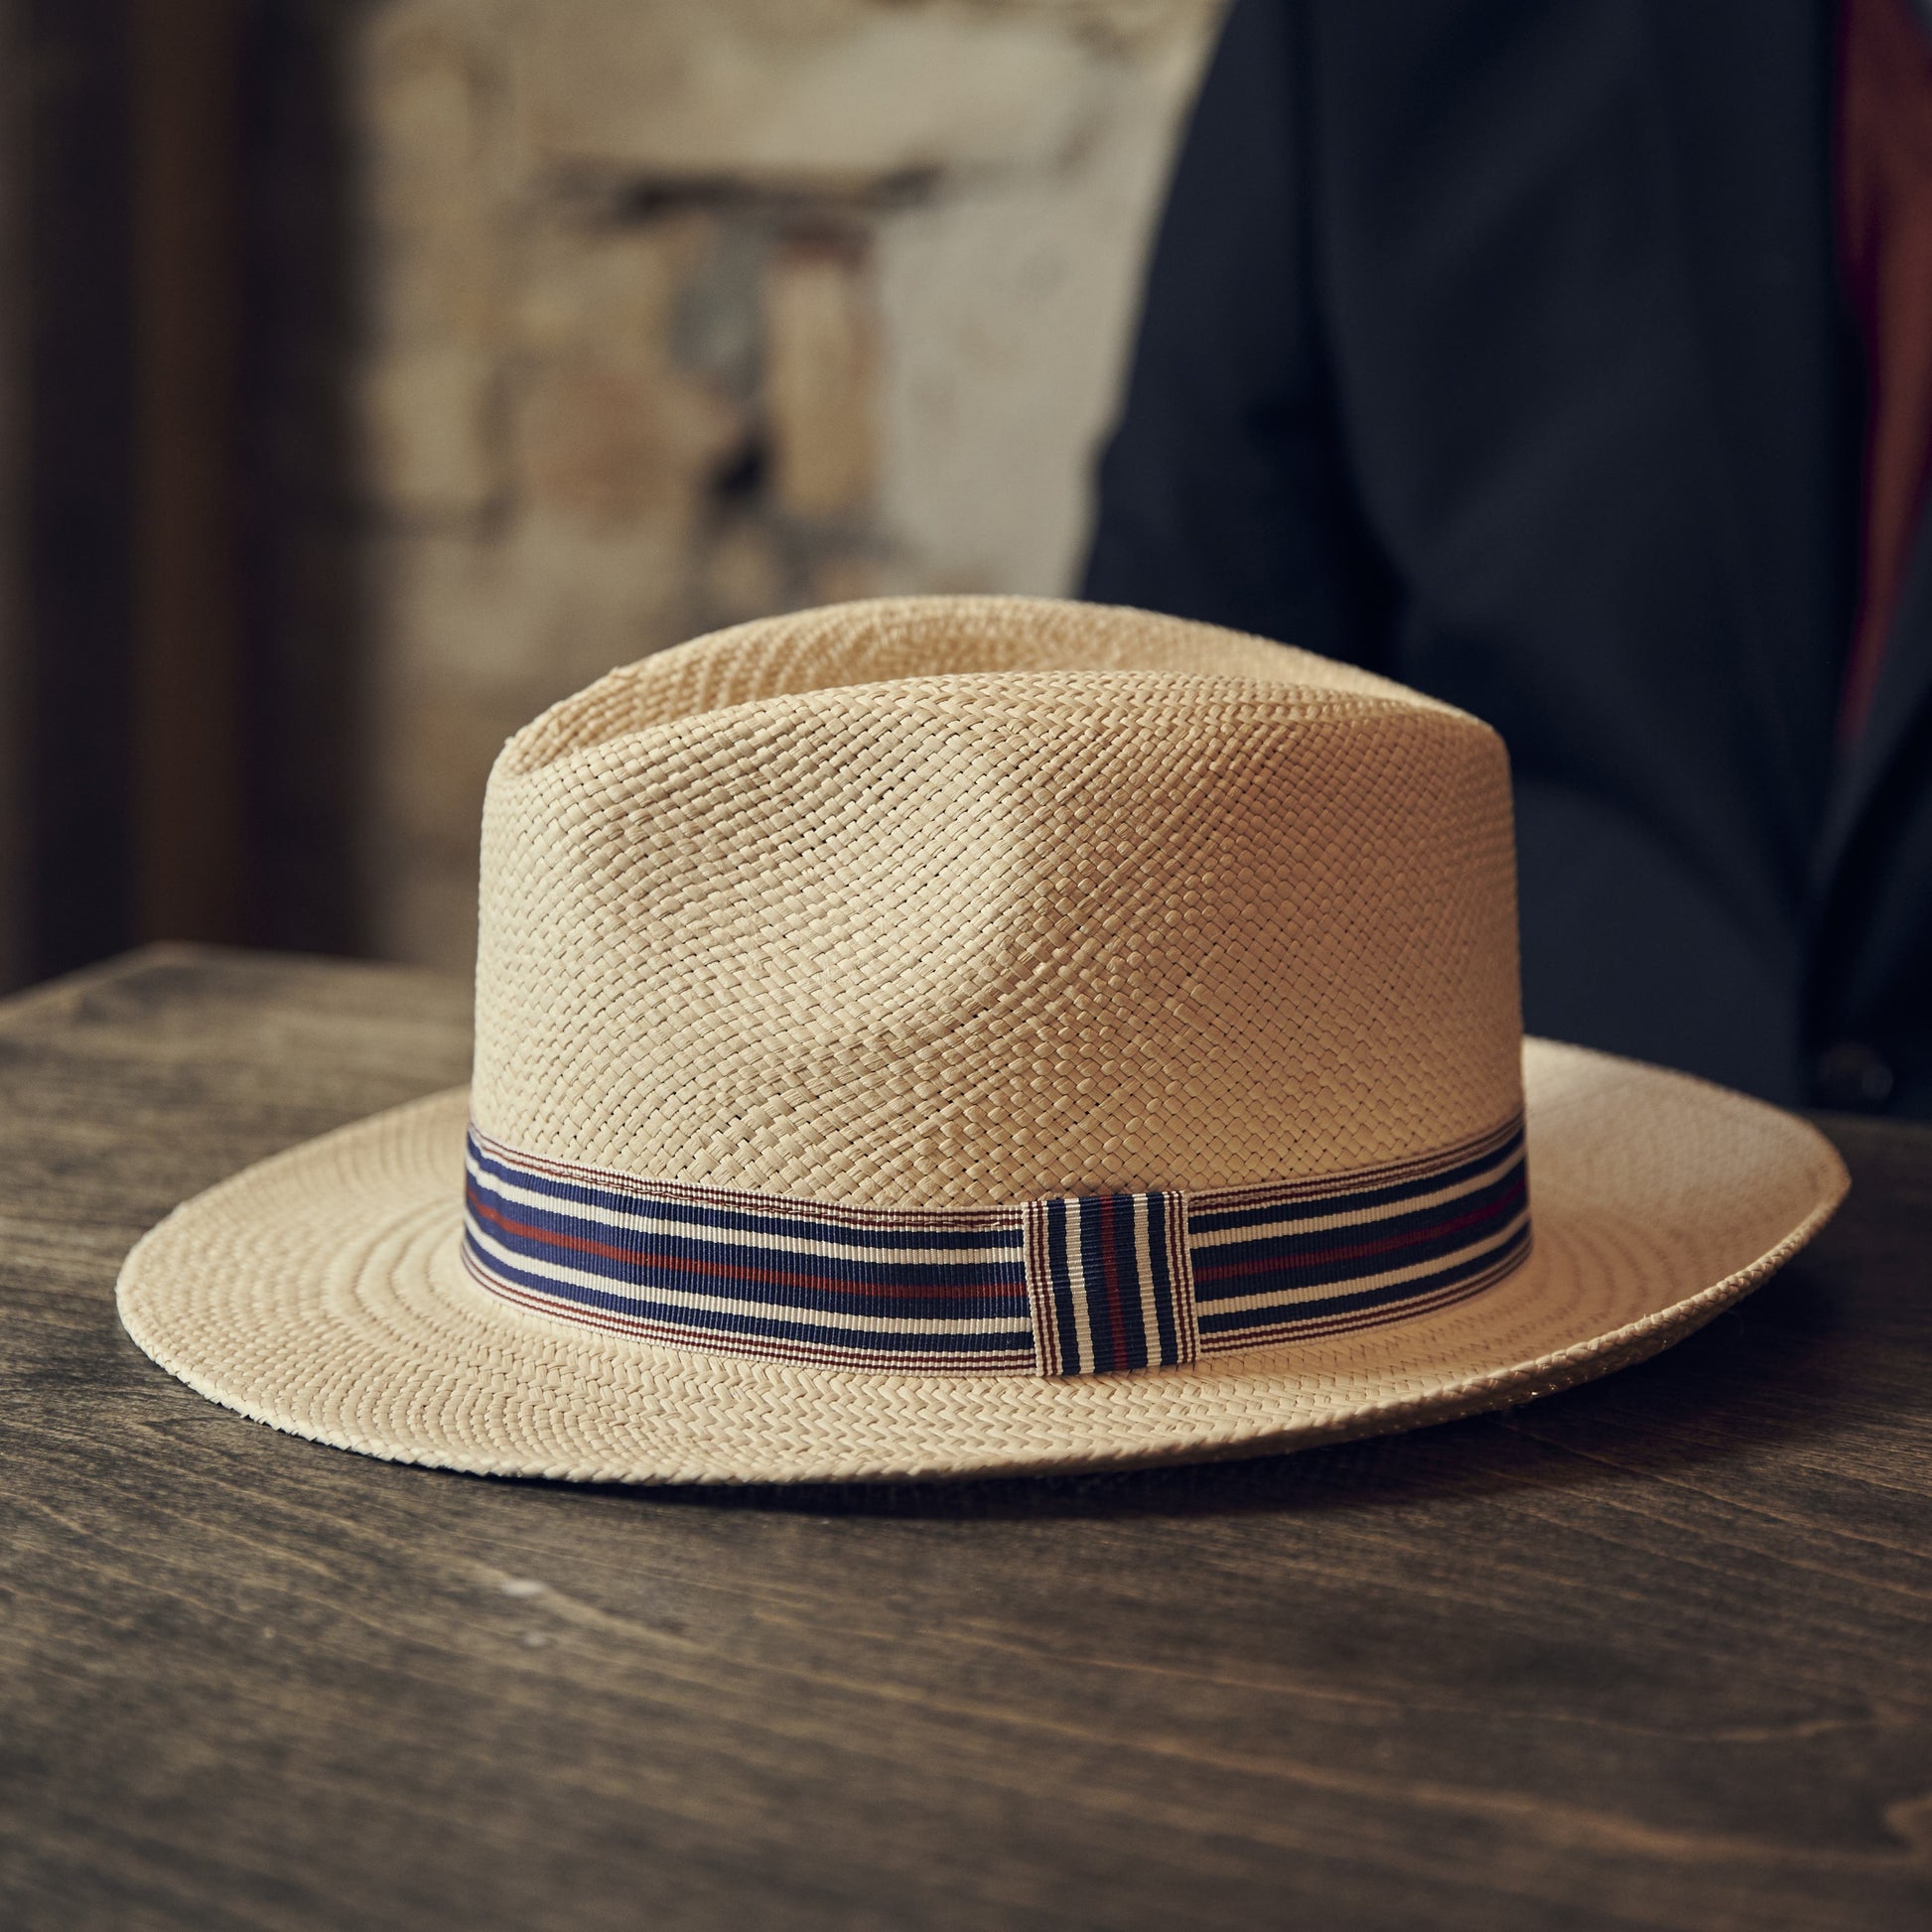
(783, 1220)
(1288, 1202)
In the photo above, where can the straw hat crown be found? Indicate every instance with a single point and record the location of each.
(938, 903)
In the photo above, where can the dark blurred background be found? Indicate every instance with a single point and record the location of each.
(373, 372)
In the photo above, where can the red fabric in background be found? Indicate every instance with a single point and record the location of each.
(1885, 233)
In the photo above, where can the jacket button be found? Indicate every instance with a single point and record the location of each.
(1852, 1079)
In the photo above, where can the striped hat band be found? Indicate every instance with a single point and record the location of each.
(1077, 1285)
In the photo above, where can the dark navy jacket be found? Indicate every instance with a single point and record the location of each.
(1499, 345)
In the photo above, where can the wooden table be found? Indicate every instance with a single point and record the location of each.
(1657, 1652)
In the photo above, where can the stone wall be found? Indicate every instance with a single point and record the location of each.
(679, 312)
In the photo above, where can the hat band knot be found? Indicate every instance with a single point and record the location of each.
(1080, 1285)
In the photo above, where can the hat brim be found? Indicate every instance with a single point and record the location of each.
(322, 1291)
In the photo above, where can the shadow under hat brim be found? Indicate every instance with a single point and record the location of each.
(322, 1291)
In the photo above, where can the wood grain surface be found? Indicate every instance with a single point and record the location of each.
(1657, 1652)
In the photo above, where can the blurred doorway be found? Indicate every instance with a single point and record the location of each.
(166, 769)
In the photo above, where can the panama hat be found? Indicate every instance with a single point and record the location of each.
(939, 1037)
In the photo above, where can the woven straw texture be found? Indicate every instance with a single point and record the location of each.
(1100, 910)
(946, 902)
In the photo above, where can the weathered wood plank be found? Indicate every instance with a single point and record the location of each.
(1652, 1653)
